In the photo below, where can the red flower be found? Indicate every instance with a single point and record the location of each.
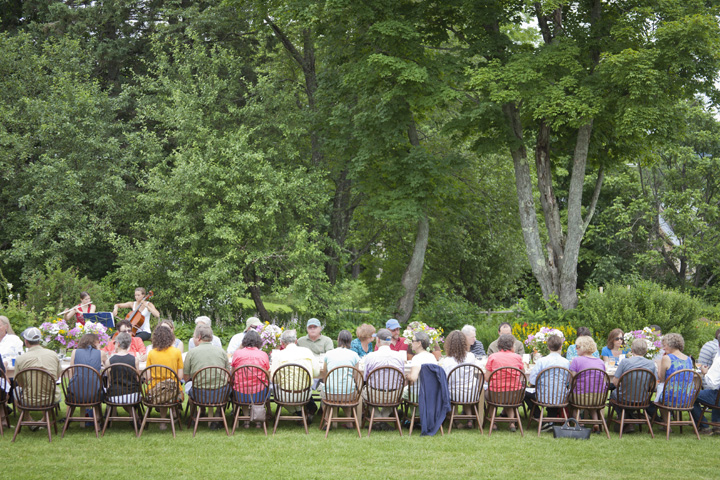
(525, 324)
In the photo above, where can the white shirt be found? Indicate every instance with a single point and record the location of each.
(235, 343)
(215, 341)
(712, 377)
(145, 313)
(11, 345)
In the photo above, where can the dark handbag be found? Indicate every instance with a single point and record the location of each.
(257, 413)
(566, 431)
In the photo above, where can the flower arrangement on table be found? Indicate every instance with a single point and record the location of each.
(654, 343)
(435, 334)
(58, 334)
(538, 341)
(527, 330)
(270, 335)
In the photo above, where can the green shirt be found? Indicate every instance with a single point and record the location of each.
(206, 355)
(319, 347)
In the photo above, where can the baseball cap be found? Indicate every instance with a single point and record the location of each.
(314, 321)
(383, 334)
(32, 334)
(392, 324)
(252, 322)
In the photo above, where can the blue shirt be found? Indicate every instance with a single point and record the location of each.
(572, 353)
(356, 347)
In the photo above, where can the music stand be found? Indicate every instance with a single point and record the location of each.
(106, 318)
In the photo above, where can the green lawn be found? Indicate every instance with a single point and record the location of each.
(292, 454)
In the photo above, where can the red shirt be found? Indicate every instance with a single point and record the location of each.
(399, 346)
(250, 356)
(137, 346)
(507, 381)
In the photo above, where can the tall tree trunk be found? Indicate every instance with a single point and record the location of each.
(413, 272)
(526, 204)
(576, 224)
(339, 224)
(252, 281)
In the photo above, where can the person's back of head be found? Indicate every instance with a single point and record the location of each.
(288, 336)
(554, 343)
(506, 342)
(384, 337)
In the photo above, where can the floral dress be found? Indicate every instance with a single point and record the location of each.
(678, 391)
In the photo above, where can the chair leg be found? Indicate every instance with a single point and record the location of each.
(142, 425)
(68, 415)
(397, 421)
(492, 420)
(278, 414)
(46, 417)
(18, 426)
(517, 415)
(357, 422)
(649, 425)
(372, 419)
(412, 420)
(304, 419)
(452, 416)
(197, 421)
(329, 419)
(477, 416)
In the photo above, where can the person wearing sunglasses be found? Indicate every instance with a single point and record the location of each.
(615, 347)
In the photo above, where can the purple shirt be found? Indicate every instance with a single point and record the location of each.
(382, 357)
(583, 385)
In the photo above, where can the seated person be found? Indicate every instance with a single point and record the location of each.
(177, 343)
(363, 345)
(614, 348)
(209, 388)
(137, 346)
(123, 386)
(572, 351)
(420, 344)
(509, 381)
(87, 353)
(383, 356)
(709, 396)
(637, 360)
(342, 356)
(236, 340)
(37, 357)
(205, 321)
(586, 346)
(506, 329)
(553, 359)
(317, 343)
(474, 345)
(252, 388)
(398, 343)
(10, 344)
(163, 353)
(292, 353)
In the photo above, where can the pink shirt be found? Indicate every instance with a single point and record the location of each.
(137, 346)
(250, 356)
(507, 381)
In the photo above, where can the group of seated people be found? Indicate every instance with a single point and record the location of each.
(371, 349)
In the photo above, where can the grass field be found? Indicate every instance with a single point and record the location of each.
(292, 454)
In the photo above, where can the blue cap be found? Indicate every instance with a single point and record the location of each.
(392, 324)
(313, 321)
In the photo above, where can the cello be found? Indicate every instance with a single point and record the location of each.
(135, 317)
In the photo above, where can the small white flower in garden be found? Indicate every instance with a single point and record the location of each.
(9, 285)
(10, 297)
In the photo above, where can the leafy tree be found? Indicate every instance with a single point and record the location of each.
(64, 170)
(588, 95)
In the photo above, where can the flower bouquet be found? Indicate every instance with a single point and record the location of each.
(58, 335)
(435, 334)
(538, 341)
(270, 335)
(647, 335)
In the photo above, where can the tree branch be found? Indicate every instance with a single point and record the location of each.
(595, 196)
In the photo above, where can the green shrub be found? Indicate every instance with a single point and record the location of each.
(11, 306)
(449, 311)
(644, 303)
(55, 289)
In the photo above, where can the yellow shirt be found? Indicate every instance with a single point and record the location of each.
(170, 357)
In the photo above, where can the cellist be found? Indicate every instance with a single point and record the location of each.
(144, 307)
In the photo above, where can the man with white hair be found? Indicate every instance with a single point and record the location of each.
(204, 321)
(236, 340)
(10, 344)
(475, 346)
